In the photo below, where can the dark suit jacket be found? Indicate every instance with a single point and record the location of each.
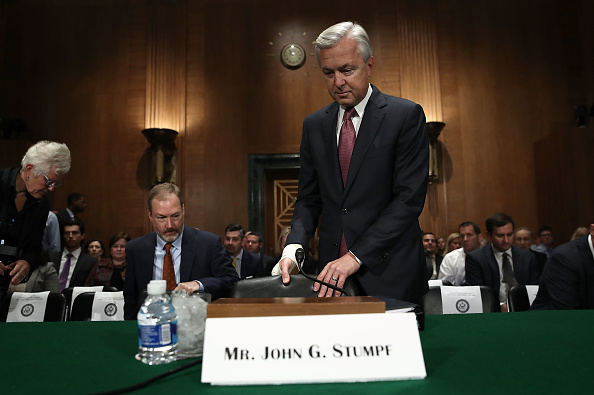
(567, 282)
(482, 268)
(438, 259)
(203, 258)
(379, 206)
(83, 267)
(252, 265)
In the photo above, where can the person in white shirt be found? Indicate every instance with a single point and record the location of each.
(453, 267)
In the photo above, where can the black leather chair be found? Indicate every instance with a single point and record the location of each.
(517, 299)
(67, 292)
(55, 309)
(431, 302)
(273, 287)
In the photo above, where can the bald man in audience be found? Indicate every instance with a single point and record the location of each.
(567, 282)
(453, 267)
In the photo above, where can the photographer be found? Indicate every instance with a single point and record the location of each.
(24, 209)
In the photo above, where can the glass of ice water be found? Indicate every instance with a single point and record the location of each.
(191, 317)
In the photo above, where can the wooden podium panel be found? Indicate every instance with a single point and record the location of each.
(268, 307)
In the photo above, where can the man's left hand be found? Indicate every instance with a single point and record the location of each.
(18, 270)
(336, 273)
(189, 287)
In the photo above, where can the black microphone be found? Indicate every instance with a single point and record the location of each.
(300, 257)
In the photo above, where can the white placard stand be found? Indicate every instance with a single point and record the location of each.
(312, 349)
(27, 307)
(461, 300)
(108, 306)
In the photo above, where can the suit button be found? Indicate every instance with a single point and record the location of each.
(344, 211)
(335, 244)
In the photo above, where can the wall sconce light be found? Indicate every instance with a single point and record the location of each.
(164, 154)
(433, 130)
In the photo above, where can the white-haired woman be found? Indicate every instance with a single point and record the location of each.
(24, 208)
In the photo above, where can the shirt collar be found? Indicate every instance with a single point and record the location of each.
(499, 254)
(590, 244)
(360, 108)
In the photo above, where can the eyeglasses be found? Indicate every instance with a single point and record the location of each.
(50, 183)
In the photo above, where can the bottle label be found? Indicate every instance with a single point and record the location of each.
(157, 335)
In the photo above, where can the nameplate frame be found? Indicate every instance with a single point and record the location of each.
(312, 349)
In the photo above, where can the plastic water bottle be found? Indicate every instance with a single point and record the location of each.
(157, 326)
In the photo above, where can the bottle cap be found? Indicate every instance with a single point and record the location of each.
(156, 287)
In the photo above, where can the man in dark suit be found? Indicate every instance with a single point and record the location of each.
(567, 282)
(73, 265)
(246, 263)
(501, 265)
(185, 257)
(432, 259)
(363, 176)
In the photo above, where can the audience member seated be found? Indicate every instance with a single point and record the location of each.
(441, 246)
(431, 258)
(567, 282)
(44, 278)
(523, 239)
(579, 232)
(501, 265)
(95, 248)
(453, 243)
(544, 238)
(453, 267)
(185, 257)
(253, 243)
(245, 263)
(111, 271)
(73, 265)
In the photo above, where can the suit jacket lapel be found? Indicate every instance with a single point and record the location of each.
(372, 120)
(329, 127)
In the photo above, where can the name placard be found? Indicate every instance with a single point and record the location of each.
(312, 349)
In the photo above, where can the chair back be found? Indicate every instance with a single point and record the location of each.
(518, 299)
(55, 309)
(273, 287)
(82, 307)
(432, 303)
(67, 292)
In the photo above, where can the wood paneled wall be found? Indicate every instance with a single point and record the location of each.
(94, 74)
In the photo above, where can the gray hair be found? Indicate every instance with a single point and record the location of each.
(330, 37)
(159, 192)
(47, 155)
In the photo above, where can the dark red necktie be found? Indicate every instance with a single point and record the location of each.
(168, 271)
(346, 142)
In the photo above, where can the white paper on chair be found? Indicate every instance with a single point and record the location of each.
(27, 307)
(531, 290)
(79, 290)
(461, 300)
(108, 306)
